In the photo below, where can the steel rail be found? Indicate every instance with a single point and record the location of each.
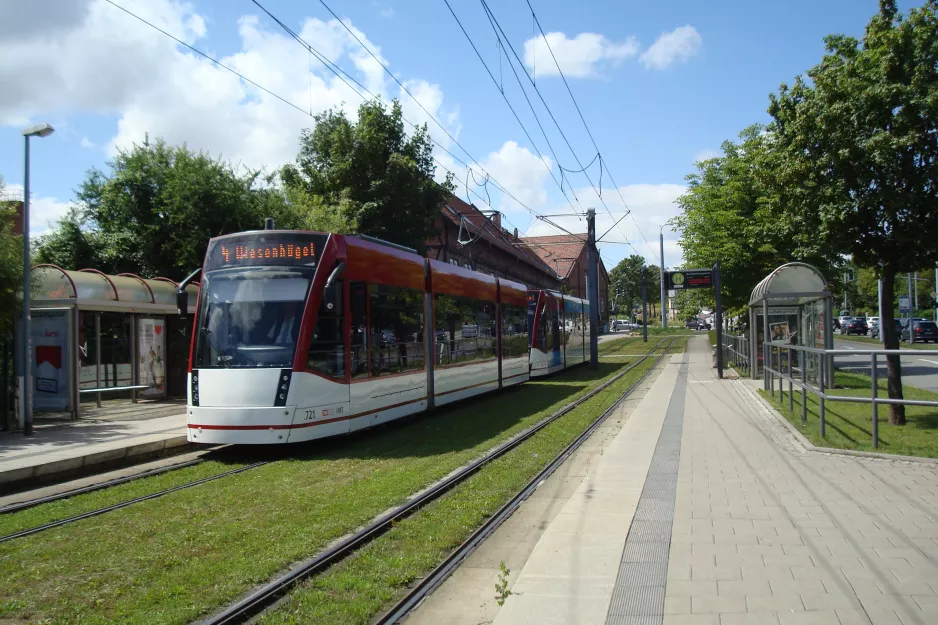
(436, 577)
(262, 598)
(129, 502)
(31, 503)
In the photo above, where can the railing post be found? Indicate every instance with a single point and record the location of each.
(791, 374)
(767, 365)
(821, 385)
(781, 375)
(804, 392)
(874, 376)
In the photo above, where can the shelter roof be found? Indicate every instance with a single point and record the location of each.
(791, 284)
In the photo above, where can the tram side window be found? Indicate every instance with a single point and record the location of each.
(327, 350)
(514, 331)
(395, 336)
(358, 296)
(465, 329)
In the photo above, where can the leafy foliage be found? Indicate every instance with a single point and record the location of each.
(156, 211)
(860, 166)
(625, 285)
(11, 267)
(369, 175)
(730, 214)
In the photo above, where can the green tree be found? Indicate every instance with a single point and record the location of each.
(370, 174)
(154, 213)
(728, 215)
(625, 283)
(11, 266)
(860, 166)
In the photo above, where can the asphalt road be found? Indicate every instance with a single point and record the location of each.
(918, 371)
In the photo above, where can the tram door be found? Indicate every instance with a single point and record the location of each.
(177, 354)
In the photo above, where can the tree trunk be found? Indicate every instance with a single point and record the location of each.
(887, 327)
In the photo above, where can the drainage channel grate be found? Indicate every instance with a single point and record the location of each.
(638, 597)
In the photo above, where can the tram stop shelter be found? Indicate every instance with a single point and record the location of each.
(791, 304)
(116, 336)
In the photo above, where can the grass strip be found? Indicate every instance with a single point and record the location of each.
(359, 588)
(871, 341)
(849, 425)
(80, 504)
(179, 557)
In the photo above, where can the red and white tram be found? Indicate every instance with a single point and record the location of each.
(559, 331)
(303, 335)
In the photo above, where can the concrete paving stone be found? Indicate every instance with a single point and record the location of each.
(927, 602)
(556, 585)
(774, 603)
(728, 573)
(760, 550)
(710, 604)
(811, 572)
(687, 588)
(683, 572)
(792, 561)
(734, 559)
(545, 610)
(831, 601)
(748, 619)
(677, 605)
(796, 586)
(744, 588)
(911, 587)
(691, 619)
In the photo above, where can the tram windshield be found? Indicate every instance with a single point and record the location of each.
(250, 317)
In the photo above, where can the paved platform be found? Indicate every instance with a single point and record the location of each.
(82, 445)
(705, 509)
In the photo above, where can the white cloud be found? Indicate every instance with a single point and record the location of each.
(579, 57)
(677, 46)
(44, 212)
(102, 61)
(520, 172)
(86, 143)
(651, 205)
(706, 154)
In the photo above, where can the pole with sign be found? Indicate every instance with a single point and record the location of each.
(684, 279)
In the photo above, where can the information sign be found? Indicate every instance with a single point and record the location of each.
(690, 279)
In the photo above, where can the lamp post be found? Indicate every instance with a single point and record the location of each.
(40, 130)
(664, 314)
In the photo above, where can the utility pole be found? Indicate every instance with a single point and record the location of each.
(664, 313)
(879, 310)
(935, 289)
(845, 292)
(916, 290)
(592, 285)
(644, 308)
(718, 317)
(908, 278)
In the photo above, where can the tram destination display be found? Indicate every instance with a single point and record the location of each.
(689, 279)
(265, 248)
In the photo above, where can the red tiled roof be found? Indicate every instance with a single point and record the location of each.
(478, 225)
(559, 251)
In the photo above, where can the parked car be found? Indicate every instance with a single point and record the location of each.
(873, 322)
(924, 331)
(874, 330)
(693, 324)
(855, 325)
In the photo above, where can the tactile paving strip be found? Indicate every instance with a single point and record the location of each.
(638, 596)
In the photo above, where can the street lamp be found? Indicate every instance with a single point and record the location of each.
(40, 130)
(664, 314)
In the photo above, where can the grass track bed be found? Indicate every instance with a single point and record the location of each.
(849, 425)
(356, 590)
(177, 558)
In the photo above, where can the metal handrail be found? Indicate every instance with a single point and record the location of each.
(771, 348)
(736, 351)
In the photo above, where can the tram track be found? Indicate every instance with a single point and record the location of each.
(261, 599)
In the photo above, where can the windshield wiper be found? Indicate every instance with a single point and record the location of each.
(224, 357)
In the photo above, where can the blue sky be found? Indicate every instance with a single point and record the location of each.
(660, 85)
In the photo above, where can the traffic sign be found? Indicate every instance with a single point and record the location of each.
(690, 279)
(905, 305)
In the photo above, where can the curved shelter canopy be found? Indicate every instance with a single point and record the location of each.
(92, 289)
(791, 284)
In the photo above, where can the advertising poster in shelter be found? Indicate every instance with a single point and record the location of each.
(49, 331)
(778, 331)
(151, 362)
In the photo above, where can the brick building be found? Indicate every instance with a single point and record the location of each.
(566, 255)
(468, 238)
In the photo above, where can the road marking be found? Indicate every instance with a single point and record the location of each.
(848, 347)
(934, 362)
